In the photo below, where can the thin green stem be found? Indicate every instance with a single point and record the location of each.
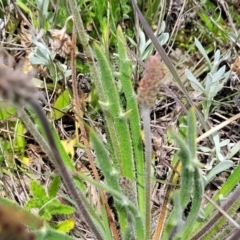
(148, 161)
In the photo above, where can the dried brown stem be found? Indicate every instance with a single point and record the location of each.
(163, 213)
(78, 102)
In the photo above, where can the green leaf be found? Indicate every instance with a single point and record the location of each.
(184, 152)
(44, 213)
(196, 85)
(187, 168)
(35, 203)
(62, 103)
(191, 182)
(202, 51)
(41, 54)
(104, 161)
(198, 193)
(55, 207)
(19, 138)
(125, 69)
(175, 218)
(66, 226)
(142, 41)
(6, 110)
(233, 150)
(123, 146)
(220, 167)
(43, 7)
(54, 186)
(110, 173)
(37, 190)
(216, 60)
(23, 6)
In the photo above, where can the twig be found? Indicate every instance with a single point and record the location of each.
(218, 127)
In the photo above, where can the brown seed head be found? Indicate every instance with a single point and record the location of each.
(12, 225)
(149, 85)
(16, 85)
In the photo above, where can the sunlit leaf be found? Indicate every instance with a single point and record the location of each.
(62, 103)
(66, 226)
(69, 146)
(6, 110)
(19, 138)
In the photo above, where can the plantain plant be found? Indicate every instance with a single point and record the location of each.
(192, 179)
